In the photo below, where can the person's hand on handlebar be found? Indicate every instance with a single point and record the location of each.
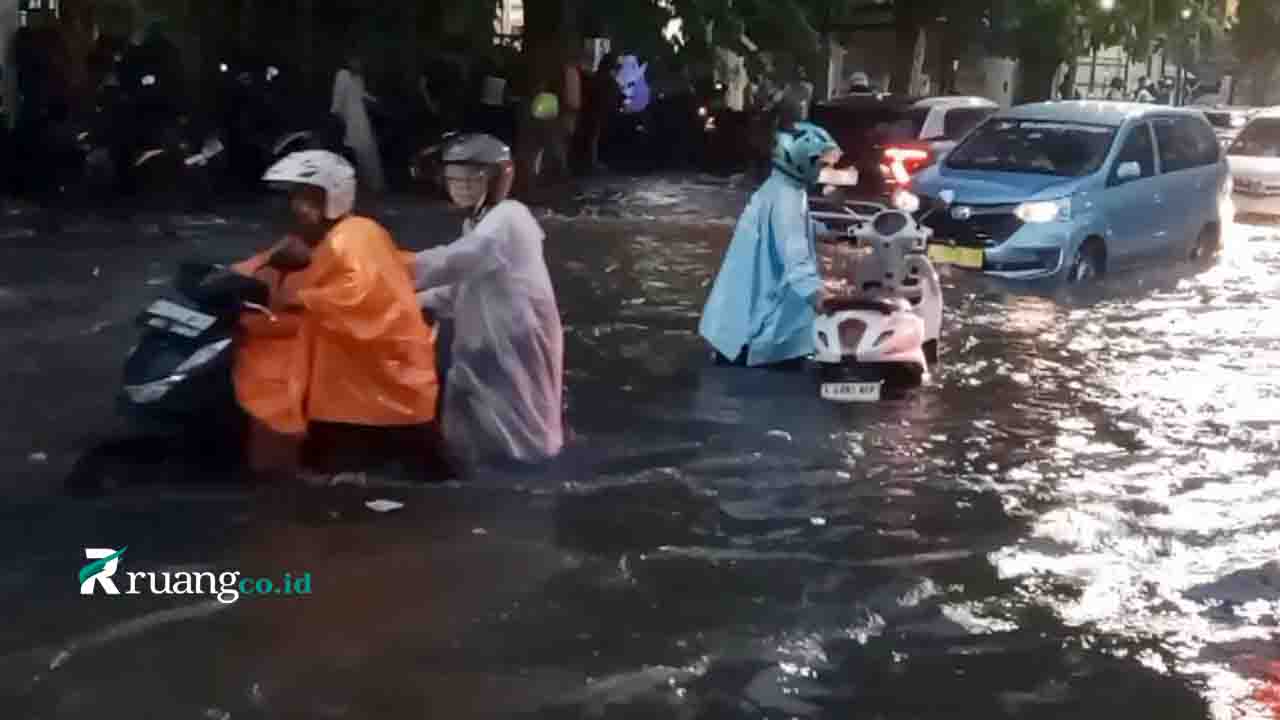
(822, 300)
(292, 255)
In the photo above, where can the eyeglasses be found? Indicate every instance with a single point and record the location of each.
(461, 175)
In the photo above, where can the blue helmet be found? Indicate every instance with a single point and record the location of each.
(798, 152)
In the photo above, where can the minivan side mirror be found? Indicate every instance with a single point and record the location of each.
(1128, 171)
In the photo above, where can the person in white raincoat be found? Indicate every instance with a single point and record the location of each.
(762, 306)
(349, 96)
(503, 388)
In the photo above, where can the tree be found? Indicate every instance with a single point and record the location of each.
(1254, 38)
(1043, 34)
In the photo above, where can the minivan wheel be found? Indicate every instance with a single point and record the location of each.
(1207, 244)
(1088, 263)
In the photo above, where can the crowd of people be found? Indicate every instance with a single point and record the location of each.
(458, 350)
(1162, 92)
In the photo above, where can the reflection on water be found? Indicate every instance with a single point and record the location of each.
(1089, 484)
(1077, 519)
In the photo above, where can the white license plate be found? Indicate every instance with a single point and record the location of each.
(178, 314)
(852, 392)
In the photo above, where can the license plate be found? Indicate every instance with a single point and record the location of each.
(961, 256)
(852, 392)
(175, 313)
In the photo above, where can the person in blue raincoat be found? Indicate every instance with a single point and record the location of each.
(763, 303)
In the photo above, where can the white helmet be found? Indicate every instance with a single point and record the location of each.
(319, 168)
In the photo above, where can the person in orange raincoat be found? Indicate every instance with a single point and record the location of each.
(344, 343)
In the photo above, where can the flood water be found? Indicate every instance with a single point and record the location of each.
(1078, 518)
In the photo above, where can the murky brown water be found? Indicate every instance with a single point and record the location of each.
(1077, 519)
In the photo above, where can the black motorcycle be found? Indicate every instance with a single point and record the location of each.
(179, 374)
(178, 393)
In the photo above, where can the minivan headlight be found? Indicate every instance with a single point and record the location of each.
(1045, 211)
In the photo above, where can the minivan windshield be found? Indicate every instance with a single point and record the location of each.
(1260, 139)
(1034, 146)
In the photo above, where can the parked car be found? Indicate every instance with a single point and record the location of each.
(1255, 165)
(890, 138)
(1227, 122)
(1073, 189)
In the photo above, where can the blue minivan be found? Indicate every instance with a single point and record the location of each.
(1072, 189)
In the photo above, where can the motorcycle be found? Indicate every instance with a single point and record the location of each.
(136, 143)
(178, 377)
(881, 334)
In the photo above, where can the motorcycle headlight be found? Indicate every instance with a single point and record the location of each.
(1045, 211)
(202, 357)
(906, 201)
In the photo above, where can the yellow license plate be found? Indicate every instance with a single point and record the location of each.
(962, 256)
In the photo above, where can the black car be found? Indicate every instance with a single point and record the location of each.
(888, 138)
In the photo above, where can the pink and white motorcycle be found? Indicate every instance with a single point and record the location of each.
(882, 332)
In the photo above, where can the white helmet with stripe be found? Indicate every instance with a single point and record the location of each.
(319, 168)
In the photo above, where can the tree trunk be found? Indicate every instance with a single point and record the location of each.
(309, 71)
(548, 31)
(908, 35)
(246, 23)
(1037, 76)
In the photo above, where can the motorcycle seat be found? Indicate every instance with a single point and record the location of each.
(882, 306)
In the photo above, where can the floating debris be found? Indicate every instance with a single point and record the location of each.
(818, 521)
(383, 506)
(780, 434)
(38, 457)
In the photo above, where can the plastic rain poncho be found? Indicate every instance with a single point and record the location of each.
(357, 352)
(762, 299)
(503, 390)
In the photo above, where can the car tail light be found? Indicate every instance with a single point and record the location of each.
(903, 161)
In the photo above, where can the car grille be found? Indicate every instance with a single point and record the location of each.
(988, 226)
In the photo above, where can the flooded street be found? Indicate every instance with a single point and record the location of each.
(1078, 518)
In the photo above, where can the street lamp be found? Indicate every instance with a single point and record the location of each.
(1106, 5)
(1186, 13)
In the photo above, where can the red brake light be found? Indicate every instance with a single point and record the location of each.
(903, 161)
